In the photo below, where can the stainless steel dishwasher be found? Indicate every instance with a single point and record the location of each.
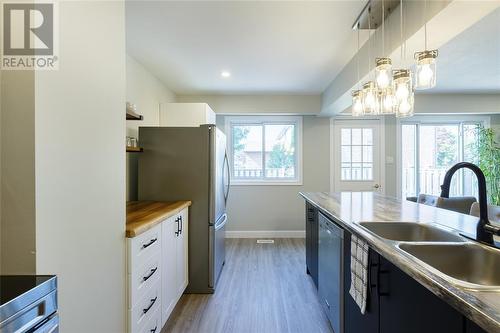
(330, 271)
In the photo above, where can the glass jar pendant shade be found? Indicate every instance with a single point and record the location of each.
(403, 92)
(357, 103)
(425, 69)
(387, 101)
(370, 99)
(383, 72)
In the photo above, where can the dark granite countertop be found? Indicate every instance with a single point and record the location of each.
(349, 208)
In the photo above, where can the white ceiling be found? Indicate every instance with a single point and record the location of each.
(269, 47)
(470, 63)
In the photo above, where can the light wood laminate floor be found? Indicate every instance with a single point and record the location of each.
(263, 288)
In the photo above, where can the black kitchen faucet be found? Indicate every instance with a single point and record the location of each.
(485, 230)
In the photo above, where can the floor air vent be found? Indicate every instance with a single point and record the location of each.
(265, 241)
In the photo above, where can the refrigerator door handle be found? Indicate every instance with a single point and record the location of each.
(228, 173)
(222, 223)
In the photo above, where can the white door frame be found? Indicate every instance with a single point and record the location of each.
(381, 121)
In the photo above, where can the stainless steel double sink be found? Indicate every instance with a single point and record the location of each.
(465, 263)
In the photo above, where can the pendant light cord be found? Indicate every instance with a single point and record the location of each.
(383, 28)
(357, 54)
(425, 24)
(401, 26)
(369, 37)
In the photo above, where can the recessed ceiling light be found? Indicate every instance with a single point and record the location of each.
(225, 74)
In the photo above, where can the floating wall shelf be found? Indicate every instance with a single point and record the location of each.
(134, 116)
(134, 150)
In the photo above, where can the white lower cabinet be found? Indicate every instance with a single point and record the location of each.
(174, 252)
(157, 273)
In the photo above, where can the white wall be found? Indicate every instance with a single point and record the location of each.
(260, 104)
(279, 208)
(18, 173)
(275, 208)
(147, 92)
(80, 167)
(441, 21)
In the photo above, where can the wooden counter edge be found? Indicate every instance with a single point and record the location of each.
(150, 214)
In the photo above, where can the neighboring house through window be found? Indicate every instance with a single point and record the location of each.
(265, 149)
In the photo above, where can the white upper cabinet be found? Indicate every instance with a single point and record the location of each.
(186, 114)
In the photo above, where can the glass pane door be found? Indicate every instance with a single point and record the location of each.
(357, 157)
(439, 151)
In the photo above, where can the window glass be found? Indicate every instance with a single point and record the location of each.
(247, 151)
(356, 154)
(440, 146)
(280, 151)
(264, 150)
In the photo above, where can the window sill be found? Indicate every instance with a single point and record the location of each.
(267, 183)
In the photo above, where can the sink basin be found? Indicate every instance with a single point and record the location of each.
(471, 265)
(411, 232)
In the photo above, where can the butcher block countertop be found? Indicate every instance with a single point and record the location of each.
(144, 215)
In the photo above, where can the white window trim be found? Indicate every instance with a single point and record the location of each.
(297, 181)
(436, 119)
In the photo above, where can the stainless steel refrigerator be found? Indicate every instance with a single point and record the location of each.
(190, 163)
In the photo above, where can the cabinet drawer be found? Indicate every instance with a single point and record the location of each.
(145, 308)
(154, 323)
(142, 247)
(141, 279)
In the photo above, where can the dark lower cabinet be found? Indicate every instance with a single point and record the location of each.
(407, 306)
(397, 303)
(354, 321)
(471, 327)
(312, 242)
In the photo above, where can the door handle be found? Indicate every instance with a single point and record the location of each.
(386, 273)
(228, 173)
(153, 270)
(377, 186)
(180, 219)
(153, 301)
(178, 232)
(150, 243)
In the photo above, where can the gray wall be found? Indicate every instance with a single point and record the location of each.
(18, 172)
(258, 104)
(279, 208)
(80, 168)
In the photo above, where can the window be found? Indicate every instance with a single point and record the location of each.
(356, 153)
(428, 150)
(265, 149)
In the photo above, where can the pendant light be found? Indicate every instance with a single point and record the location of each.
(387, 101)
(426, 62)
(357, 95)
(383, 69)
(403, 88)
(403, 93)
(370, 98)
(357, 103)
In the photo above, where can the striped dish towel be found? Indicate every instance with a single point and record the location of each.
(359, 272)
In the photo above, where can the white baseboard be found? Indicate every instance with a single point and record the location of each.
(267, 234)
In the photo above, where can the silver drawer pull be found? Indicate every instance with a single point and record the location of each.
(150, 305)
(150, 243)
(145, 278)
(327, 304)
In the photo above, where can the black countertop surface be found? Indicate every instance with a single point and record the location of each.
(12, 286)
